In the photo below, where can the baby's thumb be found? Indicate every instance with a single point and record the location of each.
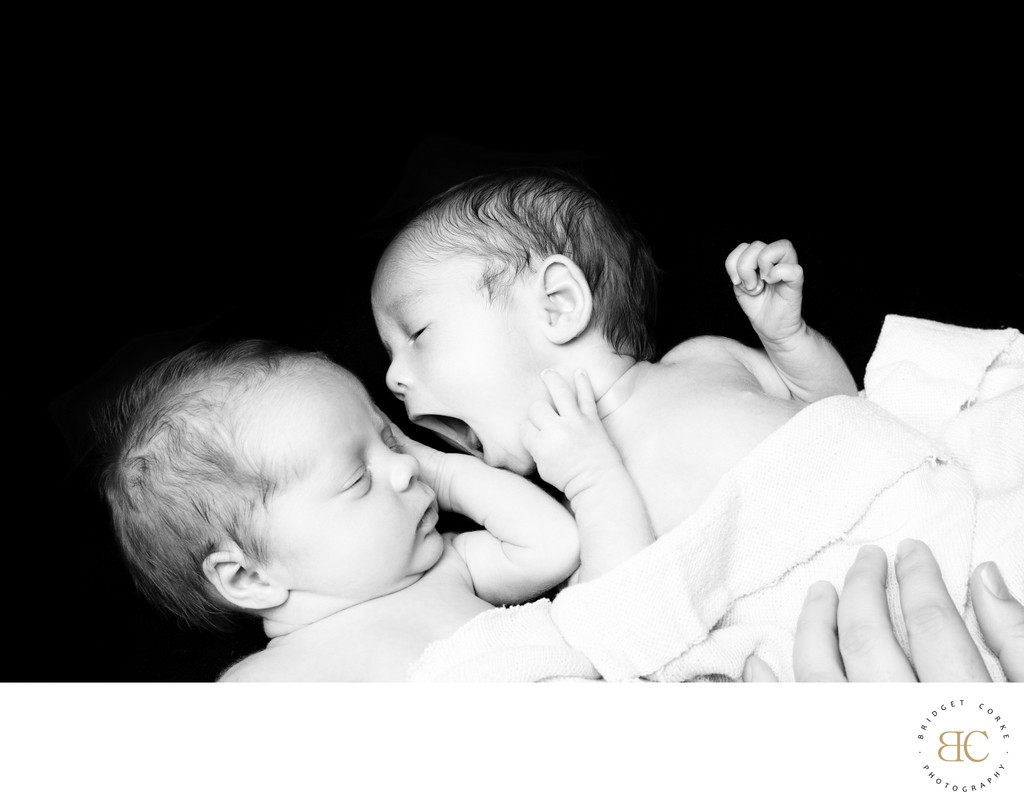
(528, 433)
(1001, 618)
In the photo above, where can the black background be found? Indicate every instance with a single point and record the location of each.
(205, 224)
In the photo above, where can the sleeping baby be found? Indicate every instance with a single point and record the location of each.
(506, 276)
(254, 479)
(515, 309)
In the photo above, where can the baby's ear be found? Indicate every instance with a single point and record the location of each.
(240, 582)
(568, 303)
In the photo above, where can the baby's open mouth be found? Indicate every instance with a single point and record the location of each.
(453, 431)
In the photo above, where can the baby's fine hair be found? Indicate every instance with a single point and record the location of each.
(508, 217)
(176, 476)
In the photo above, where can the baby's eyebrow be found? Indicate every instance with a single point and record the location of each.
(400, 301)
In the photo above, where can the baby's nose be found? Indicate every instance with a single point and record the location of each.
(404, 472)
(396, 380)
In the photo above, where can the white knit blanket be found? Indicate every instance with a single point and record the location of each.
(932, 449)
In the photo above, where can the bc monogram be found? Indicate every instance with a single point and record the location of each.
(962, 745)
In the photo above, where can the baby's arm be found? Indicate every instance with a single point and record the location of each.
(529, 542)
(768, 283)
(574, 452)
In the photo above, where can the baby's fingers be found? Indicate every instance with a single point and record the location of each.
(401, 437)
(792, 274)
(585, 394)
(405, 444)
(541, 414)
(742, 267)
(562, 395)
(732, 262)
(780, 251)
(746, 268)
(528, 435)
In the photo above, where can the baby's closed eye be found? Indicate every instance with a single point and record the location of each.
(357, 480)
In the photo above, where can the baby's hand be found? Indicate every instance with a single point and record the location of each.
(768, 283)
(434, 466)
(568, 440)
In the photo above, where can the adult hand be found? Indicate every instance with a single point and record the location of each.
(851, 638)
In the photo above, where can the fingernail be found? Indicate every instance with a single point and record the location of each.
(816, 591)
(868, 548)
(994, 581)
(905, 548)
(748, 672)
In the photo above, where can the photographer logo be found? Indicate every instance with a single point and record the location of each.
(963, 746)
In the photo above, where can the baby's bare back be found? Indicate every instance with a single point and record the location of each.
(690, 418)
(375, 641)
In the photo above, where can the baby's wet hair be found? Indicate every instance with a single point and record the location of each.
(177, 478)
(508, 217)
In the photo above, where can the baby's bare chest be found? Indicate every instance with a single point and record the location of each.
(381, 642)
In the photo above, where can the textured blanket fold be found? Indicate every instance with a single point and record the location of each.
(933, 449)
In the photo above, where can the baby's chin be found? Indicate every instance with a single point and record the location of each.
(430, 551)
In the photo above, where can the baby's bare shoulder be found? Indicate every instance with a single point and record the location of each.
(724, 362)
(314, 653)
(718, 349)
(260, 667)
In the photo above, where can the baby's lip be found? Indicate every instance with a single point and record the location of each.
(453, 431)
(430, 515)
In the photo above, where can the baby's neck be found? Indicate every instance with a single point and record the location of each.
(303, 609)
(621, 390)
(604, 368)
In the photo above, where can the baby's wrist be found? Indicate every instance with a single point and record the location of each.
(784, 339)
(458, 481)
(596, 484)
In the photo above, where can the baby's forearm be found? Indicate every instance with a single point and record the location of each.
(529, 542)
(612, 521)
(514, 510)
(810, 366)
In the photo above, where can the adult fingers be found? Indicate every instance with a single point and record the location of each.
(756, 670)
(816, 657)
(1001, 618)
(866, 641)
(940, 645)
